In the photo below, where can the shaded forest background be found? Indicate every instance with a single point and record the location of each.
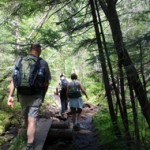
(106, 42)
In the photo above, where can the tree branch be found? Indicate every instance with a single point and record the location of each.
(104, 6)
(60, 8)
(58, 23)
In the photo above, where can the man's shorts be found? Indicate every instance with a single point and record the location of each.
(30, 105)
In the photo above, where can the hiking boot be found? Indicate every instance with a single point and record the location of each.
(29, 147)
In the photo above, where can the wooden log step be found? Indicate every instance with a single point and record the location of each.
(60, 125)
(60, 133)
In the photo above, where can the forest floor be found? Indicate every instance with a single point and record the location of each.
(84, 139)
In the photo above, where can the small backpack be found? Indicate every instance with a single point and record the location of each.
(28, 75)
(63, 84)
(74, 90)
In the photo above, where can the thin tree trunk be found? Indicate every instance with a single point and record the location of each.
(125, 117)
(122, 107)
(104, 70)
(141, 66)
(135, 117)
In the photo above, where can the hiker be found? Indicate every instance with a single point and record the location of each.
(31, 89)
(61, 90)
(74, 90)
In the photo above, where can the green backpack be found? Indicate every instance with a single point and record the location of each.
(26, 75)
(74, 90)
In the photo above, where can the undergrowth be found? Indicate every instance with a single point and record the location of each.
(17, 143)
(107, 138)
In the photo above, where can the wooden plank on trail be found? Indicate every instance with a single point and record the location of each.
(60, 133)
(60, 125)
(43, 126)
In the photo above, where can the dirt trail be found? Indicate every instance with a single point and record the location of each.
(87, 138)
(84, 139)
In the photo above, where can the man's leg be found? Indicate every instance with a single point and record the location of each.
(32, 121)
(62, 104)
(66, 104)
(31, 129)
(30, 109)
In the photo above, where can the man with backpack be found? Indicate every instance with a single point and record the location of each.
(62, 88)
(31, 78)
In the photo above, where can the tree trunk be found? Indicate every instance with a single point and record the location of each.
(125, 115)
(122, 108)
(131, 72)
(135, 117)
(104, 70)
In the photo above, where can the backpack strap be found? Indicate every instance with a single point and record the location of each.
(37, 65)
(17, 66)
(18, 62)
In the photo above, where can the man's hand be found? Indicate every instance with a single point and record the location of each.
(10, 101)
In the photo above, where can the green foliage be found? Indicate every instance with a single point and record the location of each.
(107, 136)
(95, 91)
(17, 143)
(8, 118)
(49, 38)
(3, 115)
